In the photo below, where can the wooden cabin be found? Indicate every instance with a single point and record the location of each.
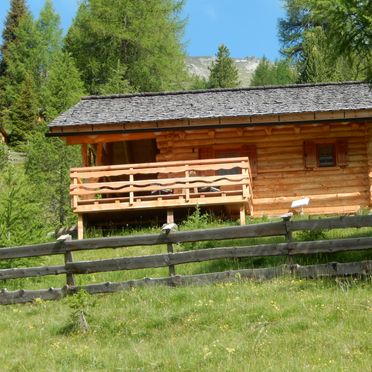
(251, 150)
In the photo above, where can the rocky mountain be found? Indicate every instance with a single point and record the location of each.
(246, 66)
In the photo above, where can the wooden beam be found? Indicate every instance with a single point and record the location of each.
(333, 269)
(179, 258)
(106, 138)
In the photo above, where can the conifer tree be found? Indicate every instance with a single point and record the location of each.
(329, 39)
(63, 87)
(144, 36)
(17, 10)
(24, 111)
(19, 89)
(50, 41)
(116, 82)
(263, 75)
(223, 72)
(278, 73)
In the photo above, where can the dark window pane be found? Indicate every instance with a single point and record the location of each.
(326, 155)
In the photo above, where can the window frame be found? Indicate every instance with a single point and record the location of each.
(311, 153)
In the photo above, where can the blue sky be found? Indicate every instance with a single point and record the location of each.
(247, 27)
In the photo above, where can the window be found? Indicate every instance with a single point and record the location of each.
(323, 154)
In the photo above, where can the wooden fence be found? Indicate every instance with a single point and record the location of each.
(171, 259)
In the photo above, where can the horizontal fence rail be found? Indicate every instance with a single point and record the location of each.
(170, 259)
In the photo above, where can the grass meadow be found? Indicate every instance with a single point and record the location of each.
(280, 325)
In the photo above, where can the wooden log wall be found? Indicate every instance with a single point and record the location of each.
(281, 173)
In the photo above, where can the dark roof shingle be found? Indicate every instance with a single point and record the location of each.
(217, 103)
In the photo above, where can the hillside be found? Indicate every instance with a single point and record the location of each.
(246, 66)
(282, 325)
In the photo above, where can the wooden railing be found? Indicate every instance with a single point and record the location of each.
(171, 259)
(166, 185)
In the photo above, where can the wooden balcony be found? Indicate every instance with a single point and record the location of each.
(163, 185)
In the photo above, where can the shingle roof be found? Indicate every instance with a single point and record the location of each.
(216, 103)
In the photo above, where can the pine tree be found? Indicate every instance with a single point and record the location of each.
(63, 87)
(17, 10)
(263, 74)
(51, 173)
(314, 66)
(116, 82)
(293, 26)
(223, 72)
(144, 36)
(24, 111)
(19, 80)
(50, 41)
(348, 29)
(318, 64)
(329, 39)
(278, 73)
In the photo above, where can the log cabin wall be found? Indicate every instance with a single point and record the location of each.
(282, 173)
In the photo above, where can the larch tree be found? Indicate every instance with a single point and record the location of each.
(223, 72)
(63, 87)
(349, 29)
(143, 37)
(50, 41)
(330, 40)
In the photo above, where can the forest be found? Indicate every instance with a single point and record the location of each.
(127, 46)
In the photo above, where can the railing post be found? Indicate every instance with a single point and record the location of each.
(131, 181)
(70, 280)
(187, 185)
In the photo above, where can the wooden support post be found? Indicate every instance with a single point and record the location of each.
(99, 152)
(80, 226)
(170, 216)
(84, 154)
(242, 215)
(172, 268)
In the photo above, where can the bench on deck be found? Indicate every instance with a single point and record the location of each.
(165, 185)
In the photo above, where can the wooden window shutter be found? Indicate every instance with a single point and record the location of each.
(341, 153)
(310, 154)
(251, 152)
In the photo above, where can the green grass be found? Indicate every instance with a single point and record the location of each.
(280, 325)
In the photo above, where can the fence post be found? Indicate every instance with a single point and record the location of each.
(70, 280)
(288, 235)
(172, 268)
(166, 229)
